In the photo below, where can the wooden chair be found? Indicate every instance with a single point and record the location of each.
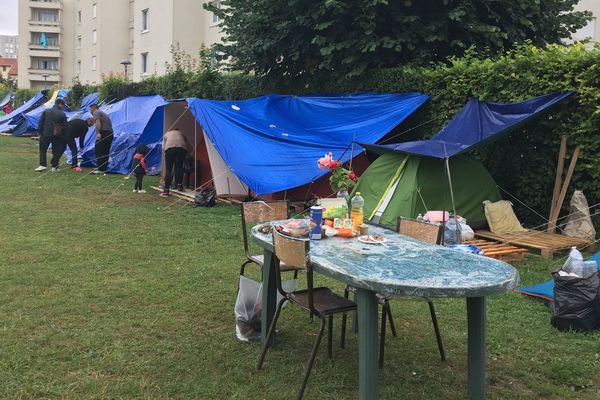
(429, 233)
(320, 302)
(259, 212)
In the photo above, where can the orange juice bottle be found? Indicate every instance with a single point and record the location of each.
(357, 205)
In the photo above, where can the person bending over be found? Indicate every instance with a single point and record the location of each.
(76, 129)
(176, 148)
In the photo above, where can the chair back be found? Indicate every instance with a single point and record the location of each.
(294, 252)
(258, 212)
(419, 230)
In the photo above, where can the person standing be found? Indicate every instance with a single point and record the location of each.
(139, 168)
(176, 148)
(50, 132)
(76, 129)
(104, 138)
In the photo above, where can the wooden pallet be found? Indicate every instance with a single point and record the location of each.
(499, 251)
(546, 243)
(191, 196)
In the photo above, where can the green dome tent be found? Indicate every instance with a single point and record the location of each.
(401, 185)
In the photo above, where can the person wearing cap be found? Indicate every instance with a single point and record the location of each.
(50, 132)
(104, 138)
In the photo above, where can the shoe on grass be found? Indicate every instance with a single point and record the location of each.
(141, 191)
(97, 172)
(135, 190)
(55, 169)
(40, 168)
(165, 194)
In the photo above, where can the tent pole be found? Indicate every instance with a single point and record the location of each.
(195, 152)
(450, 183)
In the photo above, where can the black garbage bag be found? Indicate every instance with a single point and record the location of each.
(574, 302)
(205, 198)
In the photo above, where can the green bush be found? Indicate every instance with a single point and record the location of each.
(22, 95)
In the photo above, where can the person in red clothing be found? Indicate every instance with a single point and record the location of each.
(139, 167)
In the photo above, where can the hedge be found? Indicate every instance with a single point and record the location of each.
(523, 164)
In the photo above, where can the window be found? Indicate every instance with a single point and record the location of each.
(144, 63)
(93, 63)
(94, 36)
(79, 17)
(45, 64)
(215, 17)
(78, 66)
(47, 16)
(79, 41)
(94, 9)
(145, 20)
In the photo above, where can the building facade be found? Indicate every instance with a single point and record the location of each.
(9, 46)
(592, 30)
(86, 40)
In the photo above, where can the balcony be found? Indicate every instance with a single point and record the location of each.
(47, 27)
(47, 5)
(36, 50)
(35, 74)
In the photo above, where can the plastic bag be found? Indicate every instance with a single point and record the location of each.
(574, 263)
(575, 299)
(248, 307)
(205, 198)
(452, 231)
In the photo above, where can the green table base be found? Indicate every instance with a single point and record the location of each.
(366, 301)
(476, 347)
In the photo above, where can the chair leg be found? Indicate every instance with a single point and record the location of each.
(344, 318)
(243, 267)
(388, 309)
(295, 274)
(330, 337)
(436, 328)
(382, 337)
(269, 337)
(311, 360)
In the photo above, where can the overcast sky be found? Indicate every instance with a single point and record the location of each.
(9, 24)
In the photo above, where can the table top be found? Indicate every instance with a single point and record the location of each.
(406, 267)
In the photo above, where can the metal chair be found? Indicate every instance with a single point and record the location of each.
(258, 212)
(320, 302)
(430, 233)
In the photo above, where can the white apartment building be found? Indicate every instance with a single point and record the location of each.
(9, 46)
(86, 40)
(592, 30)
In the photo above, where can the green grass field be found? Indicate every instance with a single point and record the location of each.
(107, 294)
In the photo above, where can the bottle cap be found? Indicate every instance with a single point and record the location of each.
(358, 193)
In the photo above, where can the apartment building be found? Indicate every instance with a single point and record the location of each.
(66, 40)
(9, 46)
(592, 30)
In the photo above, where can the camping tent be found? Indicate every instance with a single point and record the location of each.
(9, 96)
(13, 122)
(466, 181)
(272, 142)
(403, 185)
(33, 117)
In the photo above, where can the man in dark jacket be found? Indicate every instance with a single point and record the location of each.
(104, 138)
(76, 129)
(50, 131)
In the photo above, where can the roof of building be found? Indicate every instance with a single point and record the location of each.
(10, 62)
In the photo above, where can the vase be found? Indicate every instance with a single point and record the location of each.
(343, 194)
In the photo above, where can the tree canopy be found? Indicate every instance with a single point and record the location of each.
(292, 38)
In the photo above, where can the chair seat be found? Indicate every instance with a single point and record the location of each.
(325, 301)
(260, 260)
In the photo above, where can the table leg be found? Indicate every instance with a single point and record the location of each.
(367, 344)
(269, 293)
(476, 316)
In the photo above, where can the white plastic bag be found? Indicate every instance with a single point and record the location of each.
(248, 307)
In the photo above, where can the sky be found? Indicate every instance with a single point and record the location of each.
(8, 17)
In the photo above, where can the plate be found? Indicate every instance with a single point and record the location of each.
(368, 239)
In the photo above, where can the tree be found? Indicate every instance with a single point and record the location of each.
(335, 38)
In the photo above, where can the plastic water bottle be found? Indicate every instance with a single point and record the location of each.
(574, 263)
(420, 218)
(452, 231)
(357, 215)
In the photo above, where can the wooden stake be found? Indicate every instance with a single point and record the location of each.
(557, 181)
(565, 187)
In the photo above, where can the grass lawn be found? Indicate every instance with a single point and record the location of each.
(105, 293)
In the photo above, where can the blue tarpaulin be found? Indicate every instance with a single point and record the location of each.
(476, 122)
(272, 143)
(135, 120)
(12, 120)
(33, 116)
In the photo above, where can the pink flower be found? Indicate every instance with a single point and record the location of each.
(324, 162)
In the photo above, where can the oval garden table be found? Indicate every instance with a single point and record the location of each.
(404, 267)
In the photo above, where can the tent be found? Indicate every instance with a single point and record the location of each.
(272, 143)
(33, 117)
(434, 174)
(401, 185)
(14, 122)
(9, 96)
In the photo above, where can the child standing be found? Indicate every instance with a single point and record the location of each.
(139, 167)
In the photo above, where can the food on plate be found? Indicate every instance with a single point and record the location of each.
(294, 228)
(371, 239)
